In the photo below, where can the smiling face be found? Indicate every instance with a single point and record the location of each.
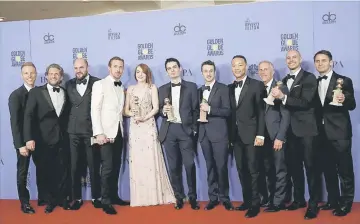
(293, 60)
(80, 68)
(266, 72)
(323, 63)
(28, 74)
(208, 72)
(116, 69)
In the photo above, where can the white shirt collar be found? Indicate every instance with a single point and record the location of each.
(243, 80)
(112, 79)
(269, 83)
(28, 88)
(50, 87)
(211, 84)
(296, 72)
(329, 74)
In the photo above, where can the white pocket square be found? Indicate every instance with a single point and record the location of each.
(296, 86)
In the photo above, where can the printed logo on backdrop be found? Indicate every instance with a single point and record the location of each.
(215, 47)
(113, 35)
(1, 162)
(289, 41)
(49, 38)
(85, 181)
(338, 64)
(329, 18)
(251, 25)
(146, 51)
(187, 72)
(79, 53)
(17, 58)
(43, 79)
(253, 69)
(179, 30)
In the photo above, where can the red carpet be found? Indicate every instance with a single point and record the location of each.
(10, 214)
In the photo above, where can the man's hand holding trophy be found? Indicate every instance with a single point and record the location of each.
(270, 98)
(338, 97)
(168, 110)
(204, 108)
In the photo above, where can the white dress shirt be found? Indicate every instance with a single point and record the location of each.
(290, 82)
(81, 88)
(28, 88)
(206, 93)
(175, 102)
(268, 88)
(323, 86)
(118, 90)
(238, 90)
(57, 98)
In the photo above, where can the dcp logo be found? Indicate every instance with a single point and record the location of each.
(179, 29)
(49, 39)
(329, 18)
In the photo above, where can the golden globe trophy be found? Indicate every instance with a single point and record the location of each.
(136, 107)
(202, 118)
(270, 99)
(170, 114)
(337, 91)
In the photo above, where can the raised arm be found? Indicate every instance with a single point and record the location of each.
(97, 97)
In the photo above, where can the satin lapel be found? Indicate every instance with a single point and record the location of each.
(297, 79)
(331, 87)
(272, 86)
(243, 91)
(182, 90)
(74, 90)
(46, 94)
(111, 85)
(64, 104)
(232, 96)
(212, 92)
(89, 85)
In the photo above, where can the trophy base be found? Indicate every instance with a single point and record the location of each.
(336, 104)
(267, 101)
(171, 119)
(203, 121)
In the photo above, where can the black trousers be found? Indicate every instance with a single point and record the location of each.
(80, 147)
(300, 152)
(336, 162)
(22, 166)
(179, 148)
(110, 154)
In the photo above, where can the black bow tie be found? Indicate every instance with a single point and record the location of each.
(117, 83)
(291, 77)
(206, 88)
(322, 77)
(238, 83)
(174, 85)
(56, 89)
(81, 81)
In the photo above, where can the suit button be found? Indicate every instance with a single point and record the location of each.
(77, 106)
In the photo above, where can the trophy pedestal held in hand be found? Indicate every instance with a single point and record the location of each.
(269, 100)
(203, 114)
(337, 92)
(170, 114)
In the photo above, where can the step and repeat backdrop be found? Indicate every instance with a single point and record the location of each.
(260, 31)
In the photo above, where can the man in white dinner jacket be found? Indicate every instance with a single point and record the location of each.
(106, 114)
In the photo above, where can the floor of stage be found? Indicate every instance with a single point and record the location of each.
(10, 213)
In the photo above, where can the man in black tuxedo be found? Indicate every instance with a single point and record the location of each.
(178, 136)
(213, 136)
(17, 103)
(246, 132)
(300, 101)
(335, 135)
(277, 120)
(79, 128)
(45, 120)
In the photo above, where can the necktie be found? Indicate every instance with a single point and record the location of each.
(56, 89)
(291, 76)
(117, 83)
(266, 91)
(322, 77)
(174, 85)
(79, 82)
(206, 88)
(238, 83)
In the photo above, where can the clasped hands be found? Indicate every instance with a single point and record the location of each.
(137, 119)
(29, 146)
(204, 107)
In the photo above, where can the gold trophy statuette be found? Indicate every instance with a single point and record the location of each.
(270, 99)
(169, 114)
(203, 113)
(337, 91)
(136, 109)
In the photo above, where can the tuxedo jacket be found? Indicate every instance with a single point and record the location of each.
(41, 123)
(80, 107)
(188, 108)
(219, 101)
(337, 122)
(301, 104)
(247, 117)
(17, 102)
(107, 108)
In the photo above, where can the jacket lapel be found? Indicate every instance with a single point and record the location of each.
(232, 96)
(65, 101)
(297, 79)
(182, 90)
(243, 91)
(46, 94)
(212, 92)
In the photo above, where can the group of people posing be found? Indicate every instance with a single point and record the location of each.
(272, 128)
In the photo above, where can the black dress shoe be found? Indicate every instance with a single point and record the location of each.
(252, 212)
(228, 206)
(194, 204)
(275, 208)
(41, 202)
(265, 204)
(27, 209)
(295, 205)
(76, 205)
(49, 208)
(120, 202)
(328, 206)
(242, 207)
(179, 204)
(109, 209)
(311, 212)
(65, 205)
(96, 203)
(342, 211)
(211, 205)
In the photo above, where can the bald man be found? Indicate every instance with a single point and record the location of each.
(300, 102)
(80, 130)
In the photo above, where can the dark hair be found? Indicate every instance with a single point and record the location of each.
(147, 72)
(28, 64)
(208, 62)
(172, 60)
(240, 56)
(116, 58)
(57, 66)
(325, 52)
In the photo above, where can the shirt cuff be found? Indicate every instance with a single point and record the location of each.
(261, 137)
(284, 100)
(209, 110)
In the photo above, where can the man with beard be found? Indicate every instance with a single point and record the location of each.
(45, 121)
(80, 131)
